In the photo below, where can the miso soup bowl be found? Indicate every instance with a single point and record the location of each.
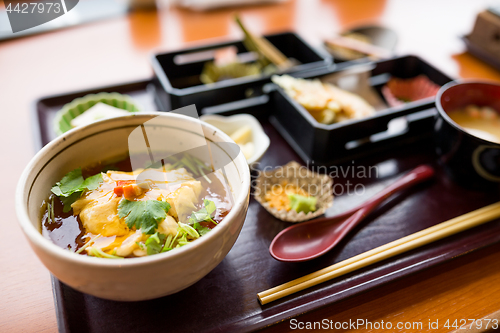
(131, 279)
(468, 159)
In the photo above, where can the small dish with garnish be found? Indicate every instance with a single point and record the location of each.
(92, 107)
(246, 131)
(293, 193)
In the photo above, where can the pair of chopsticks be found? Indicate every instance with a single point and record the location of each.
(383, 252)
(264, 47)
(359, 46)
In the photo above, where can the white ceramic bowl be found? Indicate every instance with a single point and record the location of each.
(229, 124)
(129, 279)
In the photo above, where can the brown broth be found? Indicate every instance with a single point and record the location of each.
(68, 232)
(478, 122)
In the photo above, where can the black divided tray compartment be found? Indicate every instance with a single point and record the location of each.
(178, 83)
(225, 300)
(329, 144)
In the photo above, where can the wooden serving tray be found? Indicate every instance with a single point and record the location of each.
(226, 301)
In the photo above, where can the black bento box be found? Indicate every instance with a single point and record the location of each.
(177, 82)
(328, 144)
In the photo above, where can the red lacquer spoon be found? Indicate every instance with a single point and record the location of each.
(311, 239)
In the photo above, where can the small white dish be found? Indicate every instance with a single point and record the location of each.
(229, 124)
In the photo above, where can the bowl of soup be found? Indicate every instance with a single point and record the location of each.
(467, 132)
(135, 207)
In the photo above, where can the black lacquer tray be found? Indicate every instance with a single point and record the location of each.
(226, 301)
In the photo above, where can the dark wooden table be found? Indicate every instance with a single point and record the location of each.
(117, 50)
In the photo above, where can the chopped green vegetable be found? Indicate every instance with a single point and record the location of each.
(202, 230)
(144, 215)
(187, 162)
(169, 243)
(173, 166)
(182, 241)
(200, 163)
(97, 252)
(50, 212)
(142, 246)
(155, 243)
(167, 247)
(71, 186)
(300, 203)
(80, 250)
(188, 230)
(204, 214)
(204, 175)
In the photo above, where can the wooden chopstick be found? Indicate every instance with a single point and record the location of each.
(264, 47)
(387, 246)
(383, 252)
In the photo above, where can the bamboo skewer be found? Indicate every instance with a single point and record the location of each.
(383, 252)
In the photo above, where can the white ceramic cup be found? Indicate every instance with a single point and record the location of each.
(138, 278)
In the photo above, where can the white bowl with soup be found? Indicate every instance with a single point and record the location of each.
(149, 217)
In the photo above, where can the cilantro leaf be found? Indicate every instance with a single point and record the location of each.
(71, 186)
(154, 243)
(205, 213)
(92, 182)
(73, 182)
(210, 206)
(202, 230)
(144, 215)
(68, 201)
